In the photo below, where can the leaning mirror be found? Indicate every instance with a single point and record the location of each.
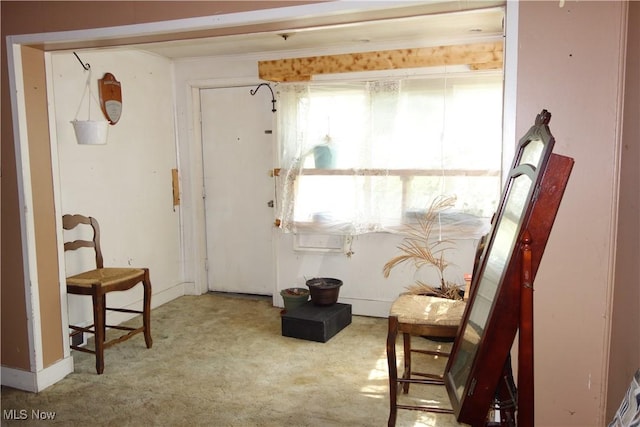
(490, 322)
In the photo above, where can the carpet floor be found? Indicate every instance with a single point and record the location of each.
(220, 360)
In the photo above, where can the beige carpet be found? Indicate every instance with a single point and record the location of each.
(220, 360)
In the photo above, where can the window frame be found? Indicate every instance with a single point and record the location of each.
(405, 174)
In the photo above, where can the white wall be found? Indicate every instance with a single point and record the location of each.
(125, 184)
(364, 285)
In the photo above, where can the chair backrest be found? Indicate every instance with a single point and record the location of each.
(69, 222)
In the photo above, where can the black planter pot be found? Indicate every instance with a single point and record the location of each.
(324, 290)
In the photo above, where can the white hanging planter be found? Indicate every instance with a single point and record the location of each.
(90, 132)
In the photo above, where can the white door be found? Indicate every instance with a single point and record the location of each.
(237, 151)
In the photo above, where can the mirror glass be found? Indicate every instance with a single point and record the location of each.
(507, 231)
(532, 153)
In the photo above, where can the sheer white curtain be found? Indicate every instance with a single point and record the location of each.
(359, 157)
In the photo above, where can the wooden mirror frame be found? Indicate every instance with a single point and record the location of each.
(481, 349)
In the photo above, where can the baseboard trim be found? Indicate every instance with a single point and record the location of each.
(36, 381)
(169, 294)
(190, 289)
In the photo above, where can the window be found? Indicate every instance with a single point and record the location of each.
(368, 156)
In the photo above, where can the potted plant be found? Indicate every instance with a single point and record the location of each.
(421, 249)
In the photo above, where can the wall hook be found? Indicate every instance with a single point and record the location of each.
(273, 98)
(86, 66)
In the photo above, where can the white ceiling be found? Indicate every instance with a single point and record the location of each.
(416, 31)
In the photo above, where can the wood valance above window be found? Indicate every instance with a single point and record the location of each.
(479, 56)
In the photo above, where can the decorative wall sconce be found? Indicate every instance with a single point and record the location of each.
(110, 91)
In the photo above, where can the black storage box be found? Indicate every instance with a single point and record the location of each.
(316, 323)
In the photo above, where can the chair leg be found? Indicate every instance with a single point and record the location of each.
(146, 309)
(99, 327)
(406, 338)
(393, 370)
(104, 317)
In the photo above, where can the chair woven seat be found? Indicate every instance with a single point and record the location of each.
(427, 310)
(435, 318)
(104, 276)
(99, 282)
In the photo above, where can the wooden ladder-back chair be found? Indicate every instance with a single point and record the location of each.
(422, 316)
(98, 283)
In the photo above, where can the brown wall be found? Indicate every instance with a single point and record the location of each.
(35, 90)
(571, 60)
(15, 338)
(28, 17)
(625, 339)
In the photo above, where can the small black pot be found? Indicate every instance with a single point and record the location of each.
(324, 290)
